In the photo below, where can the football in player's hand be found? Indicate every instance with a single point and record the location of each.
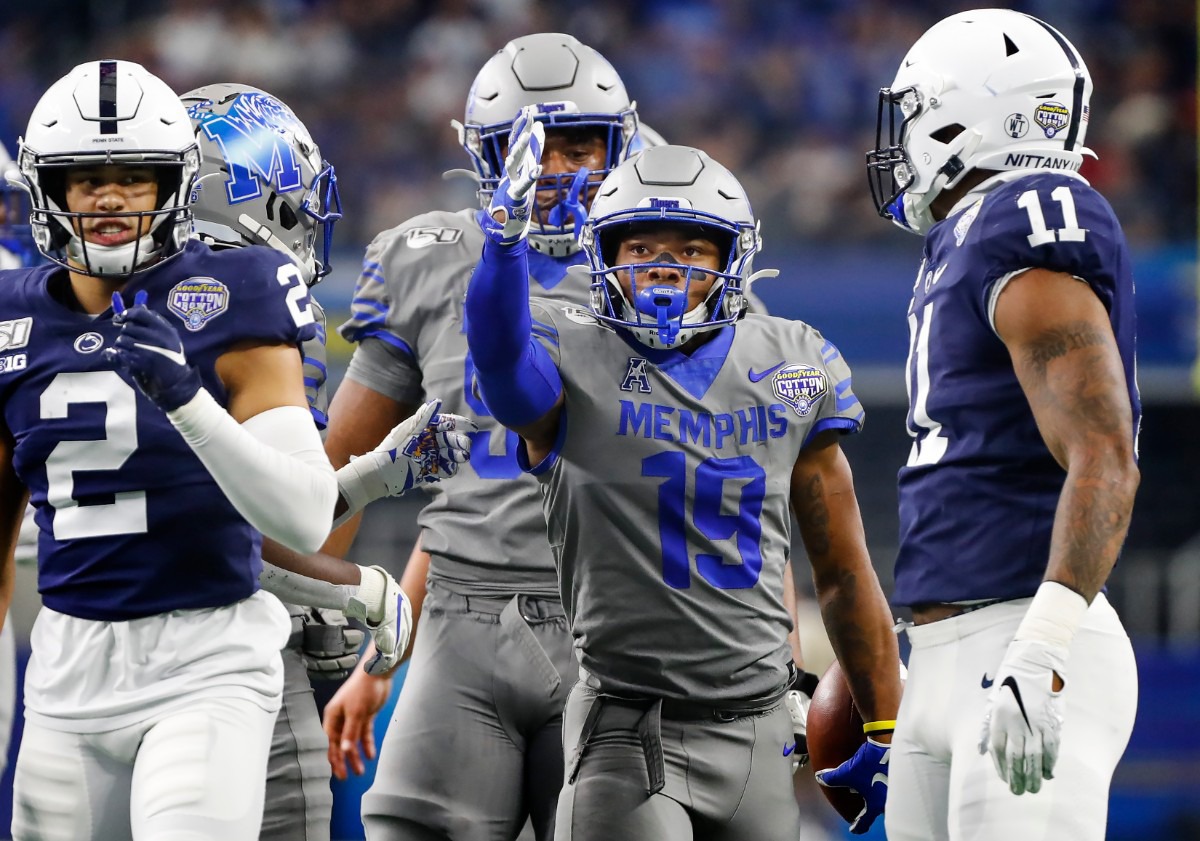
(835, 732)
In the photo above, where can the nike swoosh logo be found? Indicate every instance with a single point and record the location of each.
(175, 356)
(987, 682)
(1011, 683)
(788, 750)
(756, 377)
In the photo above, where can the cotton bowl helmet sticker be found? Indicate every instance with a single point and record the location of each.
(800, 386)
(1053, 117)
(198, 300)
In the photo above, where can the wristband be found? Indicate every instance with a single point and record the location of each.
(1054, 615)
(879, 726)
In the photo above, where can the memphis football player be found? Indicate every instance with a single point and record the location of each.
(1024, 413)
(673, 436)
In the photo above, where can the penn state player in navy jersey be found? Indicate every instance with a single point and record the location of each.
(654, 447)
(154, 415)
(1024, 412)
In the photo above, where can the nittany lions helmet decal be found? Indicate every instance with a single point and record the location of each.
(991, 89)
(682, 186)
(108, 112)
(262, 178)
(572, 86)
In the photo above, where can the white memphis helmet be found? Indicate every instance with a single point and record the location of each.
(571, 86)
(262, 179)
(682, 186)
(108, 112)
(991, 89)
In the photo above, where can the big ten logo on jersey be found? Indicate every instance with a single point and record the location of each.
(425, 237)
(253, 138)
(715, 430)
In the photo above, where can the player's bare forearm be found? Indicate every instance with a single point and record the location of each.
(319, 565)
(853, 607)
(413, 583)
(1067, 361)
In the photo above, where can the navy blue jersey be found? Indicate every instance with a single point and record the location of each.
(130, 522)
(979, 492)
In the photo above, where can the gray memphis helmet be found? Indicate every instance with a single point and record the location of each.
(682, 186)
(262, 179)
(572, 86)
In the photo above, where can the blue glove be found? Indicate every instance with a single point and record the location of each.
(506, 221)
(866, 773)
(149, 350)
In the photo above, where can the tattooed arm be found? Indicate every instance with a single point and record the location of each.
(852, 602)
(1062, 346)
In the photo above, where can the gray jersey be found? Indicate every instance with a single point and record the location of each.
(668, 498)
(485, 531)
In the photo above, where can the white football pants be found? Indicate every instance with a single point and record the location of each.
(195, 774)
(940, 787)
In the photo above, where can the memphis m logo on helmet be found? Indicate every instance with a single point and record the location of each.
(991, 89)
(252, 138)
(262, 178)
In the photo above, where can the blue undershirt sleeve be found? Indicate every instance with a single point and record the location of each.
(518, 380)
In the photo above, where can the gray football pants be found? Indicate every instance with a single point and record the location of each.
(299, 802)
(474, 746)
(715, 780)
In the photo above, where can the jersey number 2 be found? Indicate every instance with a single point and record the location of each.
(126, 514)
(709, 519)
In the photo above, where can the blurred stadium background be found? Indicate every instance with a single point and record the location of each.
(784, 93)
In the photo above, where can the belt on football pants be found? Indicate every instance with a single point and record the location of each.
(646, 714)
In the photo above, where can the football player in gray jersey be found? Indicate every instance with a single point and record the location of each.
(673, 436)
(263, 181)
(473, 750)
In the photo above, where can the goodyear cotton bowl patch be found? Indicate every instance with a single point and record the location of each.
(198, 300)
(800, 386)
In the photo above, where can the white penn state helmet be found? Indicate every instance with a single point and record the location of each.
(991, 89)
(108, 112)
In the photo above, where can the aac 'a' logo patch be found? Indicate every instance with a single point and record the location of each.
(800, 386)
(636, 376)
(198, 300)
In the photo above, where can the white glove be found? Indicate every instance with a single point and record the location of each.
(507, 219)
(381, 605)
(797, 704)
(1023, 717)
(420, 450)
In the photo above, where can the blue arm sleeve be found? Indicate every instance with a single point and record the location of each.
(518, 380)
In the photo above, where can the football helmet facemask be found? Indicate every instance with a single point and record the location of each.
(680, 186)
(108, 113)
(991, 89)
(262, 179)
(572, 87)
